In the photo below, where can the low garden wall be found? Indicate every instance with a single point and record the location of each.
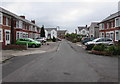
(15, 47)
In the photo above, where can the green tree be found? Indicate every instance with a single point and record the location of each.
(42, 33)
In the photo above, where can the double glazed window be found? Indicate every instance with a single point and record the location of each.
(117, 36)
(1, 18)
(20, 24)
(7, 36)
(1, 35)
(17, 24)
(117, 22)
(7, 21)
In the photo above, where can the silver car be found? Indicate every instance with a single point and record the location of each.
(108, 41)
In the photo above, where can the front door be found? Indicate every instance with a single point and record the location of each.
(7, 37)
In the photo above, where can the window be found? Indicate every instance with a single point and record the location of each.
(21, 39)
(1, 18)
(17, 24)
(117, 36)
(107, 25)
(1, 35)
(20, 24)
(36, 29)
(107, 35)
(102, 34)
(112, 35)
(83, 32)
(7, 36)
(17, 35)
(107, 39)
(7, 21)
(21, 35)
(117, 22)
(100, 40)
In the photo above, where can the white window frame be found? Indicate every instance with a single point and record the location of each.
(17, 34)
(1, 40)
(7, 21)
(20, 24)
(17, 24)
(117, 24)
(1, 19)
(118, 34)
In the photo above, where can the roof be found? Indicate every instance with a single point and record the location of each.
(111, 16)
(82, 27)
(16, 16)
(95, 24)
(61, 31)
(50, 29)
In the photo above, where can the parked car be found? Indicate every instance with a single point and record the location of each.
(29, 41)
(89, 45)
(41, 39)
(86, 39)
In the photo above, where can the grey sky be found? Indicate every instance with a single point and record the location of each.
(67, 15)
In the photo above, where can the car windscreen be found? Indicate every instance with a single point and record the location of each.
(31, 40)
(96, 39)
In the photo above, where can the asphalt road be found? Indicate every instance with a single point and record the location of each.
(69, 63)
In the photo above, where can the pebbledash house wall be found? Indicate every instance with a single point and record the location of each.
(13, 27)
(110, 27)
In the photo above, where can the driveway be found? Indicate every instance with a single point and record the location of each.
(69, 63)
(8, 54)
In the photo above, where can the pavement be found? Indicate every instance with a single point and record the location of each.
(8, 54)
(69, 63)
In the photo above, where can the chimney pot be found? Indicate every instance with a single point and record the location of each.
(22, 17)
(33, 21)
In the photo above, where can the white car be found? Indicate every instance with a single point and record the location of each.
(41, 39)
(108, 41)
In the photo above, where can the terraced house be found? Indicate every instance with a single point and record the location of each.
(13, 27)
(110, 27)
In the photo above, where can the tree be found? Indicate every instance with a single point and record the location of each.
(42, 33)
(54, 39)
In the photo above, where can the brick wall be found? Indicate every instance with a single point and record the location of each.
(15, 47)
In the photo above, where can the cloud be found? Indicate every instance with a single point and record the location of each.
(67, 15)
(60, 0)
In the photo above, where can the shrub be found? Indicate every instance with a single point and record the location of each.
(89, 47)
(113, 50)
(74, 40)
(99, 47)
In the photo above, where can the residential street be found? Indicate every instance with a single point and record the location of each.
(68, 63)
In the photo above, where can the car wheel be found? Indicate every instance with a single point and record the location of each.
(33, 46)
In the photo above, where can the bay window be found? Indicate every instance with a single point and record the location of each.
(7, 21)
(20, 24)
(1, 35)
(17, 24)
(1, 18)
(117, 22)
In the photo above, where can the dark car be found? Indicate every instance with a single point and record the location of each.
(86, 39)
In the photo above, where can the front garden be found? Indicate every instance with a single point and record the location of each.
(108, 50)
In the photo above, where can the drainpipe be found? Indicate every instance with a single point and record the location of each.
(12, 31)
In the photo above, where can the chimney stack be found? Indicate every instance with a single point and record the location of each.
(86, 26)
(22, 17)
(33, 21)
